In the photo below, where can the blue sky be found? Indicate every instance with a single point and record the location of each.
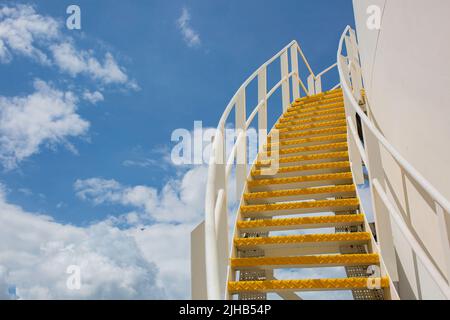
(164, 82)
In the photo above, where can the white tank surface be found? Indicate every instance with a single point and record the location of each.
(405, 57)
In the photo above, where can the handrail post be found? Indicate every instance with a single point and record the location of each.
(216, 179)
(318, 85)
(286, 94)
(221, 209)
(296, 76)
(354, 156)
(311, 85)
(241, 149)
(262, 114)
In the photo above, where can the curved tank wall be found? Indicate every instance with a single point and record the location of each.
(406, 70)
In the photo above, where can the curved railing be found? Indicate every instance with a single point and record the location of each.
(368, 151)
(221, 164)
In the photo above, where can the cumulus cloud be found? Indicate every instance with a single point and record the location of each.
(46, 117)
(21, 28)
(93, 97)
(190, 36)
(179, 201)
(75, 62)
(35, 253)
(162, 220)
(25, 32)
(142, 254)
(4, 288)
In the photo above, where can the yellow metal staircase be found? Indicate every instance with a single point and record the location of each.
(313, 190)
(300, 226)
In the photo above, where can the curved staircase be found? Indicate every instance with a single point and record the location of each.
(300, 215)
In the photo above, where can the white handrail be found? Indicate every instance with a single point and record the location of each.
(220, 168)
(230, 106)
(327, 70)
(305, 61)
(336, 86)
(365, 151)
(427, 186)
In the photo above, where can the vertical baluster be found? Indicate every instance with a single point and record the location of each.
(262, 114)
(286, 95)
(354, 44)
(311, 85)
(295, 77)
(318, 85)
(221, 210)
(241, 152)
(382, 215)
(354, 156)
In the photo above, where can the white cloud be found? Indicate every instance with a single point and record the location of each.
(116, 263)
(75, 62)
(169, 247)
(47, 116)
(136, 261)
(180, 201)
(4, 288)
(190, 36)
(93, 97)
(20, 28)
(25, 32)
(36, 251)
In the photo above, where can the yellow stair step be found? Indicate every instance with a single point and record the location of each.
(319, 95)
(322, 103)
(334, 191)
(310, 157)
(310, 133)
(342, 165)
(286, 181)
(315, 261)
(301, 111)
(311, 104)
(337, 123)
(308, 141)
(300, 182)
(305, 285)
(342, 146)
(307, 239)
(286, 224)
(281, 209)
(337, 116)
(306, 115)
